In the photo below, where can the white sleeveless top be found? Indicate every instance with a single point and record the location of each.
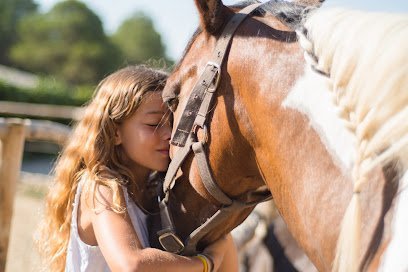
(82, 257)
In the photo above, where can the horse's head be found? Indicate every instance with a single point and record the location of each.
(262, 48)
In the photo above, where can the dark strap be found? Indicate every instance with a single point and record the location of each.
(214, 221)
(195, 100)
(167, 236)
(206, 81)
(175, 165)
(206, 176)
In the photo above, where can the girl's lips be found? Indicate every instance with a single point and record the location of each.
(164, 151)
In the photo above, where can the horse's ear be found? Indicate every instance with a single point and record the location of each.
(211, 14)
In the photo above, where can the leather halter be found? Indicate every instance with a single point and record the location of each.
(185, 136)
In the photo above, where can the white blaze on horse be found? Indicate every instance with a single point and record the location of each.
(328, 136)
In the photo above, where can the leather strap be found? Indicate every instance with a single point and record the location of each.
(206, 176)
(195, 100)
(175, 164)
(222, 214)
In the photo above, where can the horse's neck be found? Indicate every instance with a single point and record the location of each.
(307, 183)
(307, 161)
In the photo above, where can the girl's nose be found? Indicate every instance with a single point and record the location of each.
(167, 131)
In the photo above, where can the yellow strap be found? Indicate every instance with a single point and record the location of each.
(204, 261)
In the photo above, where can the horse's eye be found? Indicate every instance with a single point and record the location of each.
(172, 103)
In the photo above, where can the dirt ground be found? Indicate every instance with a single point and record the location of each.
(28, 205)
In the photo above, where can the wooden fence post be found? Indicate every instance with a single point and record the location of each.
(11, 157)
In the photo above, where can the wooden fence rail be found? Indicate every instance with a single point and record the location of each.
(37, 130)
(41, 110)
(13, 132)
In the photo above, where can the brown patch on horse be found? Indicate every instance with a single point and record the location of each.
(382, 232)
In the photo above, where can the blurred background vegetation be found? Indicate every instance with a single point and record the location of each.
(68, 50)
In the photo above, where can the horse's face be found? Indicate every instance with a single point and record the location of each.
(231, 157)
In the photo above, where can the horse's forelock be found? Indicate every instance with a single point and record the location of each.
(291, 14)
(243, 4)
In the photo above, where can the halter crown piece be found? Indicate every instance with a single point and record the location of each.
(193, 118)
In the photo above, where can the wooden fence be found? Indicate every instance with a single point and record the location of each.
(41, 110)
(13, 133)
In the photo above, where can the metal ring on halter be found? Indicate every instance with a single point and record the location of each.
(217, 80)
(196, 127)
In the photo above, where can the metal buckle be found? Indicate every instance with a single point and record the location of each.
(205, 131)
(218, 76)
(171, 242)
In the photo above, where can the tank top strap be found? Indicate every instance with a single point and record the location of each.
(74, 221)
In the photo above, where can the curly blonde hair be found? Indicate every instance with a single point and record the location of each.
(91, 149)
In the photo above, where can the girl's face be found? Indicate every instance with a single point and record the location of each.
(145, 135)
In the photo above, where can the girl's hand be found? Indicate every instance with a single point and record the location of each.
(217, 251)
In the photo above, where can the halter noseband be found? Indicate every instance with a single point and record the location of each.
(193, 118)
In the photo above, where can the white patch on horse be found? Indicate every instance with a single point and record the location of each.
(311, 96)
(395, 257)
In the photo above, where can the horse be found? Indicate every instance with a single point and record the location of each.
(310, 102)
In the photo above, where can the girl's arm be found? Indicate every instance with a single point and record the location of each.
(224, 255)
(121, 247)
(230, 260)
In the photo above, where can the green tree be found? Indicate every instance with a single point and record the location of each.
(139, 41)
(68, 42)
(11, 11)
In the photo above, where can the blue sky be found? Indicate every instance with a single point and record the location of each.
(176, 20)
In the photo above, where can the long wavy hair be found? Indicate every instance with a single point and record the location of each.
(91, 150)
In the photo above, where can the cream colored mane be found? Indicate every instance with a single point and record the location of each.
(365, 55)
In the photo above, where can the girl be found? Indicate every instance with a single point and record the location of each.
(95, 217)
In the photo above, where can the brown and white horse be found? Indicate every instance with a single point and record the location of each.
(328, 135)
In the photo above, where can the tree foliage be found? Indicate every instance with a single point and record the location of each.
(11, 11)
(68, 42)
(138, 40)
